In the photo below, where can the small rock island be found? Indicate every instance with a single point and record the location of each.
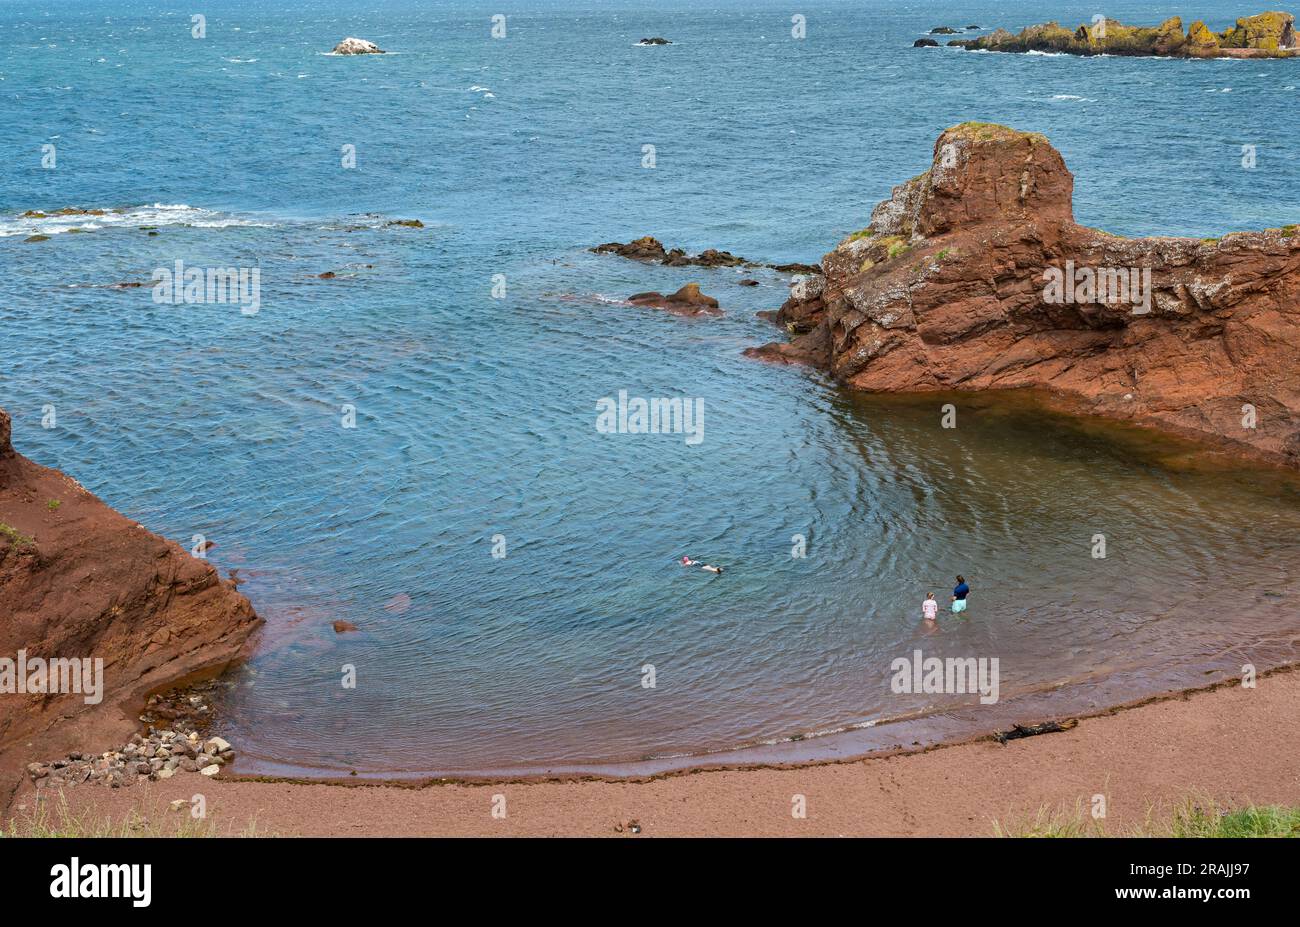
(355, 46)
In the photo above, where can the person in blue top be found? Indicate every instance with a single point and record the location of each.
(959, 595)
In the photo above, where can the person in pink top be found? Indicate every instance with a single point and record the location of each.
(930, 607)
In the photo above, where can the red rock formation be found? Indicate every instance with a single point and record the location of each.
(79, 580)
(687, 301)
(951, 287)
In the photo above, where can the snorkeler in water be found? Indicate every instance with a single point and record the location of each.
(688, 562)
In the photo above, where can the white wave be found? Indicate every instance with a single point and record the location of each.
(156, 214)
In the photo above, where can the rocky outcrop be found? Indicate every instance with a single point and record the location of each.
(657, 40)
(355, 46)
(1267, 35)
(688, 301)
(651, 251)
(78, 581)
(974, 276)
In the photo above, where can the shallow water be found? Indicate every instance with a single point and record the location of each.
(476, 416)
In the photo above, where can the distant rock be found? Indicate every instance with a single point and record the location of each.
(407, 223)
(650, 250)
(355, 46)
(688, 301)
(1266, 35)
(657, 40)
(925, 43)
(343, 627)
(943, 30)
(973, 28)
(748, 282)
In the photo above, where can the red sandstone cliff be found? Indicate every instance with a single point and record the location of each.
(951, 288)
(77, 579)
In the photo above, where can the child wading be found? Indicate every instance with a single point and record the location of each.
(930, 607)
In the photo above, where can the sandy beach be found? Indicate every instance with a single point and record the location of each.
(1229, 745)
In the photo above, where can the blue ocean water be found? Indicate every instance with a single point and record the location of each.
(475, 415)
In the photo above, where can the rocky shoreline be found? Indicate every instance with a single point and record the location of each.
(82, 584)
(975, 276)
(154, 755)
(1266, 35)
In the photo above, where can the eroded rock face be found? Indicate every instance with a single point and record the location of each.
(975, 276)
(78, 580)
(1262, 36)
(355, 46)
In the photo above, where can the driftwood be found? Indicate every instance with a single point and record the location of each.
(1022, 730)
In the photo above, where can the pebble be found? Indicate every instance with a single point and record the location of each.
(158, 753)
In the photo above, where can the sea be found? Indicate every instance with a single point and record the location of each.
(400, 431)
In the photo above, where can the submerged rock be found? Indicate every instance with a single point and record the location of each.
(651, 250)
(974, 276)
(688, 301)
(355, 46)
(657, 40)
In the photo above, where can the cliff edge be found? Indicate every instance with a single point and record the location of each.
(79, 581)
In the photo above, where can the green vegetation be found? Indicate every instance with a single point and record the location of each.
(53, 505)
(15, 537)
(860, 234)
(896, 248)
(1288, 231)
(1191, 820)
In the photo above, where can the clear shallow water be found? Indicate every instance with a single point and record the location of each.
(476, 416)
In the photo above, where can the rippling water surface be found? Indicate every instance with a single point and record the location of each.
(475, 416)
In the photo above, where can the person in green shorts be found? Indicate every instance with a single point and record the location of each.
(959, 595)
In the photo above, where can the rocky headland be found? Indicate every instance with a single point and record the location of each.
(975, 276)
(81, 582)
(1266, 35)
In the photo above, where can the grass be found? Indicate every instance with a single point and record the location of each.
(1192, 819)
(53, 505)
(62, 821)
(17, 538)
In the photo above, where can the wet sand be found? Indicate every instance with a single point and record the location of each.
(1229, 745)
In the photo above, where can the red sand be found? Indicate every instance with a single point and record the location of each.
(1230, 745)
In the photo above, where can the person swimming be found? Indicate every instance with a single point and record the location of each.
(688, 562)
